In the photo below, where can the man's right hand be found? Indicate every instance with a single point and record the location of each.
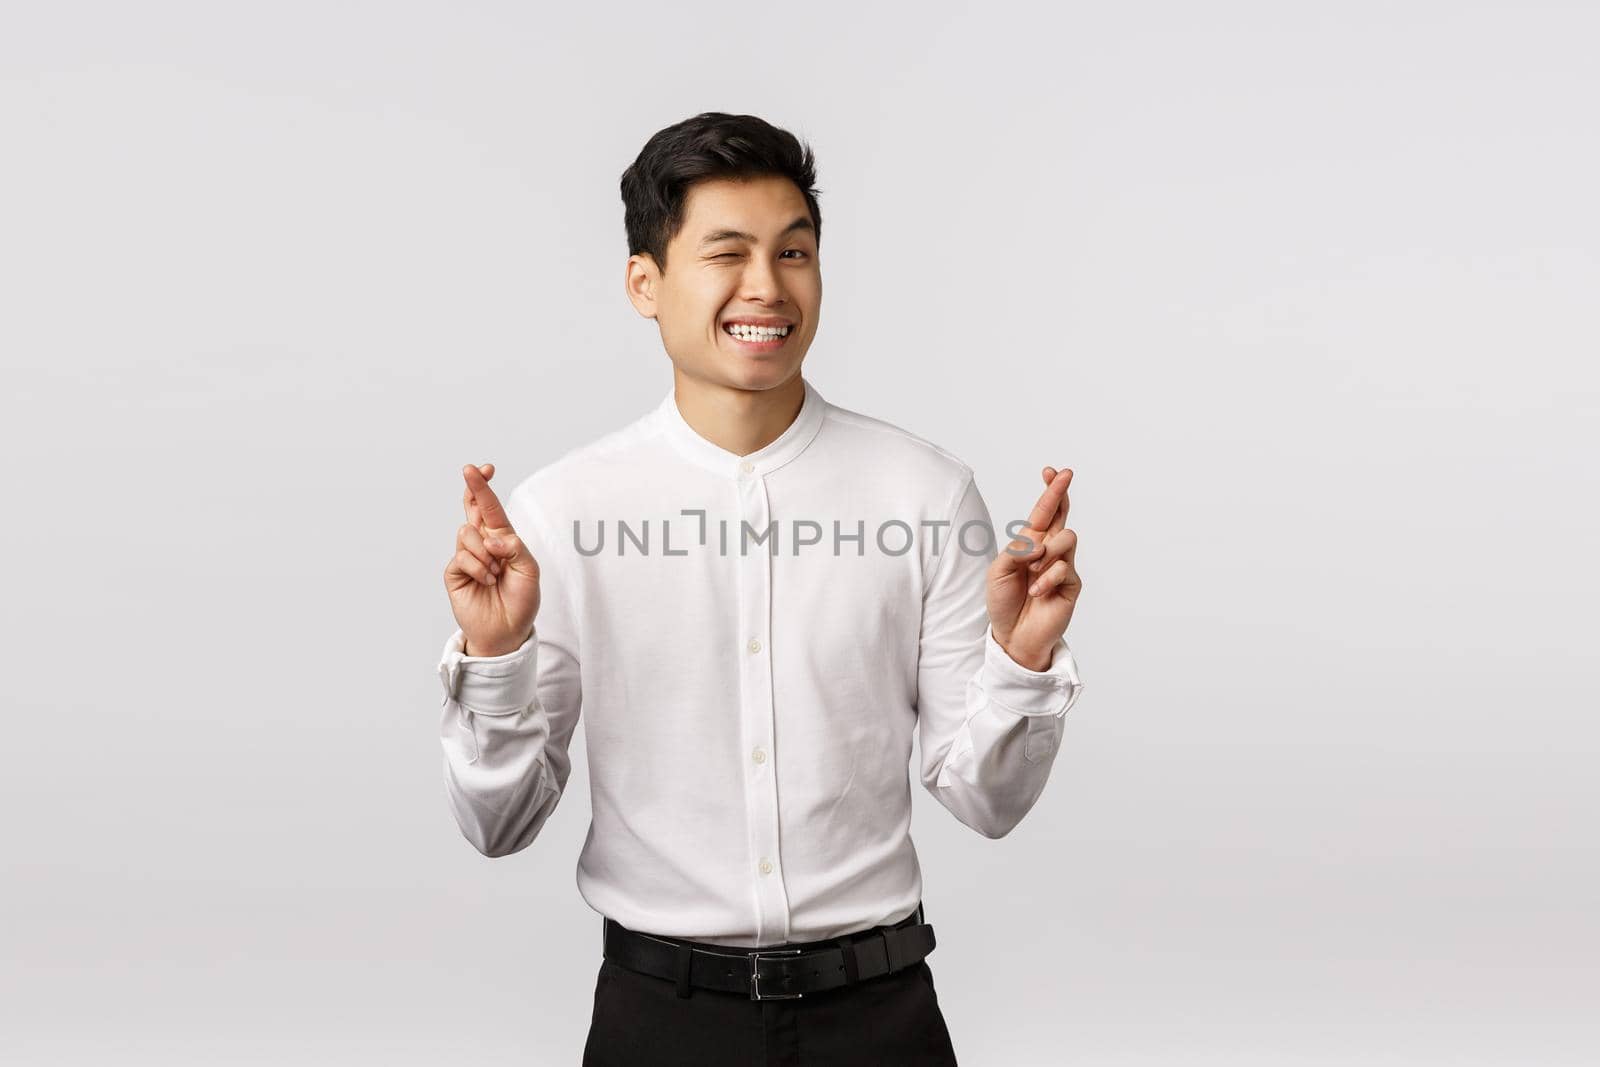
(493, 580)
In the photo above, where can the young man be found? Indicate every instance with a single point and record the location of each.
(755, 597)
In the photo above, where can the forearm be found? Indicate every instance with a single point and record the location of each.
(503, 777)
(998, 760)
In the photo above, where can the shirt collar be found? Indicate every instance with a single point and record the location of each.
(719, 460)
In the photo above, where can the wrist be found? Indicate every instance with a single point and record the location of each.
(489, 651)
(1038, 662)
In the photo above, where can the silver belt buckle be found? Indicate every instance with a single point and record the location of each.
(755, 974)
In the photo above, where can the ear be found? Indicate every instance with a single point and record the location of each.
(640, 282)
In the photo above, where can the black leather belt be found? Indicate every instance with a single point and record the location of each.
(771, 973)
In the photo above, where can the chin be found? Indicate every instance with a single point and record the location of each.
(765, 374)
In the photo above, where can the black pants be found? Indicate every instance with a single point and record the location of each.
(640, 1021)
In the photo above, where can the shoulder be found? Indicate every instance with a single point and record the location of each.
(559, 485)
(897, 452)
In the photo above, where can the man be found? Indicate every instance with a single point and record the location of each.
(755, 597)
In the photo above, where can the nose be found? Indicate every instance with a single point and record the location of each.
(760, 282)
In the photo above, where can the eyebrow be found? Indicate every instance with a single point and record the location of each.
(801, 223)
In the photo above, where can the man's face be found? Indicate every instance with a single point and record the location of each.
(746, 251)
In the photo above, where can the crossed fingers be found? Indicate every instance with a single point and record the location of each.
(482, 506)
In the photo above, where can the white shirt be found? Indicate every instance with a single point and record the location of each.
(749, 698)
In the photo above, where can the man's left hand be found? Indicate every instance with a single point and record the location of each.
(1031, 594)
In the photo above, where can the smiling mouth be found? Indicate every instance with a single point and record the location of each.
(765, 344)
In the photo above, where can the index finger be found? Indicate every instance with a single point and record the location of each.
(1043, 515)
(489, 509)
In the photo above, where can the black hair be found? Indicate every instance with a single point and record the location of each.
(712, 144)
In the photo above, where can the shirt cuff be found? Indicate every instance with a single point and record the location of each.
(492, 685)
(1021, 691)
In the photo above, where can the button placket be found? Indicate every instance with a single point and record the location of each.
(755, 592)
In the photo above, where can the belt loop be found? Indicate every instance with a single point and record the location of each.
(685, 961)
(888, 948)
(852, 972)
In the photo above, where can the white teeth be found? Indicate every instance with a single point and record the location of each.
(758, 333)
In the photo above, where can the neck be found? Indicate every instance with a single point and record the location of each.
(740, 421)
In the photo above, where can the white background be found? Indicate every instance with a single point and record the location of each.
(1304, 294)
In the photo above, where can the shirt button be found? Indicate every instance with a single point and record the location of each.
(759, 755)
(766, 866)
(746, 467)
(755, 645)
